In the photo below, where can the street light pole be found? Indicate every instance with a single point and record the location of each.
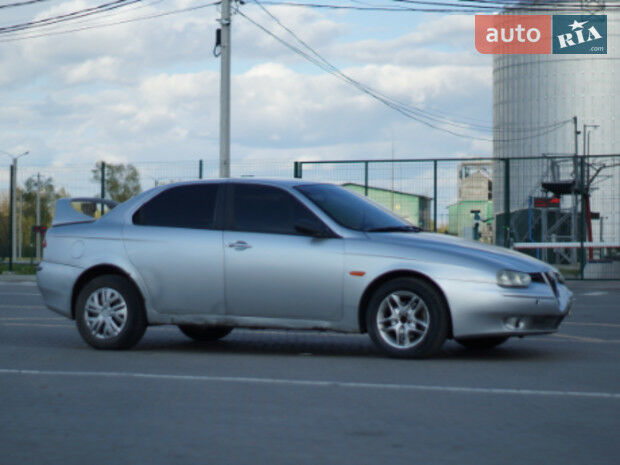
(13, 232)
(38, 217)
(225, 91)
(586, 147)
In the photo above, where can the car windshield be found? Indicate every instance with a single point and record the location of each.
(354, 211)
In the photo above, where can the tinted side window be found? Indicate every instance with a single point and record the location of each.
(190, 206)
(267, 209)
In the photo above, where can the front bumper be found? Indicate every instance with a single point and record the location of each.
(485, 309)
(56, 283)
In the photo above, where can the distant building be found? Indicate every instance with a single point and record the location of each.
(413, 207)
(475, 187)
(535, 98)
(475, 180)
(461, 219)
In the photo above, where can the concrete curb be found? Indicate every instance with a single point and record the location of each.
(17, 278)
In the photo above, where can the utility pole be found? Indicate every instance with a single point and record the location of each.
(20, 248)
(585, 133)
(574, 193)
(576, 145)
(392, 186)
(586, 147)
(225, 91)
(38, 218)
(13, 200)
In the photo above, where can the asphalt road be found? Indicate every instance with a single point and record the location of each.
(270, 397)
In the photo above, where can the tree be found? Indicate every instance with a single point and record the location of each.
(47, 196)
(122, 181)
(4, 226)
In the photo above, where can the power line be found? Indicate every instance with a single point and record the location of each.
(115, 23)
(498, 5)
(426, 117)
(68, 16)
(428, 7)
(28, 2)
(467, 6)
(411, 112)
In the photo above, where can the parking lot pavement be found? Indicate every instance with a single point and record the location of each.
(307, 398)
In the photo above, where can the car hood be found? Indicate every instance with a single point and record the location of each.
(458, 249)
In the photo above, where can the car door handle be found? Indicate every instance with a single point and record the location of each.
(239, 245)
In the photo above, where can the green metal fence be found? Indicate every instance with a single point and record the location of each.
(560, 208)
(36, 189)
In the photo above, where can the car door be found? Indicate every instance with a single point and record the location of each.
(175, 243)
(271, 270)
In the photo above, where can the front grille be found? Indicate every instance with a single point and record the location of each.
(548, 278)
(552, 282)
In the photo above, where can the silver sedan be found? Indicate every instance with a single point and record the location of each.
(210, 256)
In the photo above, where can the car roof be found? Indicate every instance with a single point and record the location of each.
(281, 182)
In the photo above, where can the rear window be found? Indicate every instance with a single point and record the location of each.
(191, 207)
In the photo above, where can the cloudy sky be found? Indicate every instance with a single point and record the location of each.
(149, 90)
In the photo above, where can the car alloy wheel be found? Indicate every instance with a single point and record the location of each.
(403, 319)
(105, 313)
(407, 318)
(110, 313)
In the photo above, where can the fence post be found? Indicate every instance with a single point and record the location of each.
(366, 178)
(297, 169)
(435, 195)
(11, 202)
(506, 202)
(102, 183)
(582, 222)
(199, 169)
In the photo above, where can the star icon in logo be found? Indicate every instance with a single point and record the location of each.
(577, 25)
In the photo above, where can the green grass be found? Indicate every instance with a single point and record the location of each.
(19, 268)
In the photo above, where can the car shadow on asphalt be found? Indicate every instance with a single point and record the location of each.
(328, 344)
(269, 343)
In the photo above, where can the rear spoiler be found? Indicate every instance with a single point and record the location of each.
(65, 213)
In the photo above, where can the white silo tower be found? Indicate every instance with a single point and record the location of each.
(532, 95)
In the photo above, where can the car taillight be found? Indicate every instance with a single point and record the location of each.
(44, 244)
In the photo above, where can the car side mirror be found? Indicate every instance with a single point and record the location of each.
(310, 228)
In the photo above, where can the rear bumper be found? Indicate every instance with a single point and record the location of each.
(480, 309)
(56, 283)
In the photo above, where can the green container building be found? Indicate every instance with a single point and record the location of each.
(414, 208)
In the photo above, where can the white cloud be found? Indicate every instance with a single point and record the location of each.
(150, 90)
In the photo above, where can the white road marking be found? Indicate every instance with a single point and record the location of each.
(596, 340)
(19, 293)
(18, 283)
(8, 306)
(14, 318)
(312, 383)
(594, 293)
(607, 325)
(36, 324)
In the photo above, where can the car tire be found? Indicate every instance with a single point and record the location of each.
(110, 314)
(204, 333)
(407, 318)
(482, 343)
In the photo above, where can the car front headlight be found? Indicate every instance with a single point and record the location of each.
(509, 278)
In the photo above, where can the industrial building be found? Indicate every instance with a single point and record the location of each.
(556, 106)
(474, 194)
